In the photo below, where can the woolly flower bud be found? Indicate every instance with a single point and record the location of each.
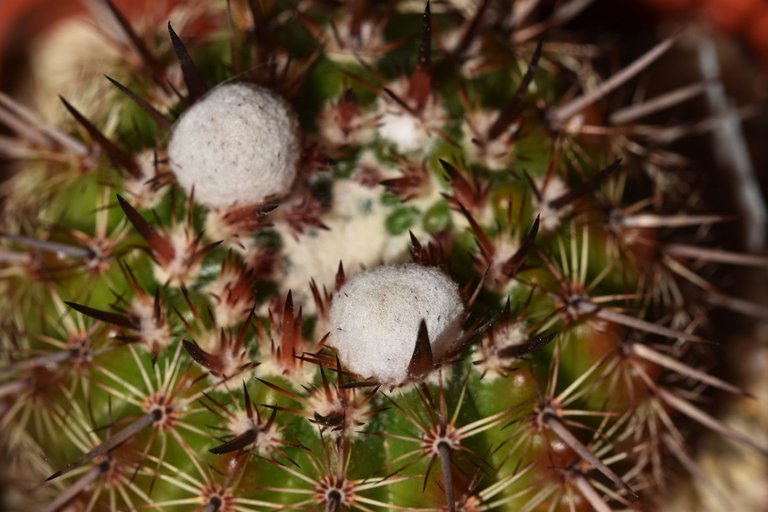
(375, 319)
(239, 144)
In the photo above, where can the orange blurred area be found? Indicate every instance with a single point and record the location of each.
(733, 16)
(23, 22)
(758, 35)
(20, 18)
(746, 20)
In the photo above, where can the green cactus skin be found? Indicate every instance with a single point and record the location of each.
(158, 355)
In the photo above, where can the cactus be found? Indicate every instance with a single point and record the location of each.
(354, 257)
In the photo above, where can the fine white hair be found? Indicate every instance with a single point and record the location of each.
(239, 144)
(375, 319)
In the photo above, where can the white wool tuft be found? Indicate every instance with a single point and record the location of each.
(550, 191)
(404, 130)
(375, 319)
(239, 144)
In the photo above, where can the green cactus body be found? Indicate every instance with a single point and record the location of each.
(163, 355)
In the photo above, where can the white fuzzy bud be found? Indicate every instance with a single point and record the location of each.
(375, 319)
(237, 145)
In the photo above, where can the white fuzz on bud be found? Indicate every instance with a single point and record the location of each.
(238, 145)
(375, 319)
(410, 130)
